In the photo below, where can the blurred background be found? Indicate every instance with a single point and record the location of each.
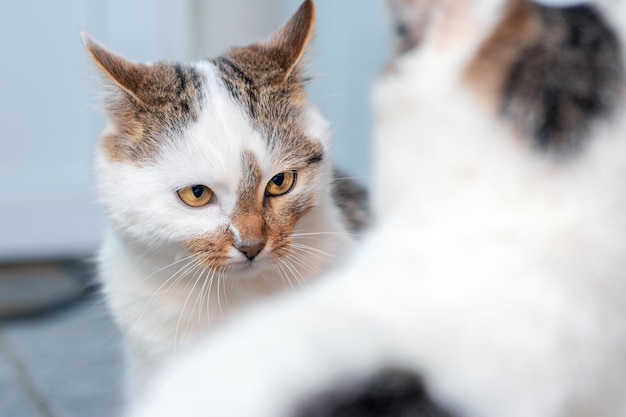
(59, 353)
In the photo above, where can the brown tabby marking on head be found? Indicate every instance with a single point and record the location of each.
(561, 74)
(281, 217)
(248, 215)
(266, 78)
(146, 101)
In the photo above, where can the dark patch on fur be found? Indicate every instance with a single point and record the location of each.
(140, 126)
(267, 80)
(239, 84)
(352, 199)
(182, 78)
(275, 106)
(388, 394)
(405, 40)
(570, 75)
(175, 93)
(248, 215)
(315, 159)
(144, 102)
(411, 17)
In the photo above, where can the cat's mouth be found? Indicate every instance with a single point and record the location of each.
(248, 264)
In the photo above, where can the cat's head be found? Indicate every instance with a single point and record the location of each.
(222, 157)
(548, 67)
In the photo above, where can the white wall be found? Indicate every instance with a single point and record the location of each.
(47, 130)
(49, 122)
(48, 112)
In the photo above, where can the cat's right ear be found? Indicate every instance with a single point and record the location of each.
(126, 75)
(289, 44)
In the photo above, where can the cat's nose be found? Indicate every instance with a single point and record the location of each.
(251, 250)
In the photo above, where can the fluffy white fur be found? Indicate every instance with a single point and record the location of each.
(494, 272)
(162, 297)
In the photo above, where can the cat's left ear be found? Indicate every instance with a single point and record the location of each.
(128, 76)
(289, 44)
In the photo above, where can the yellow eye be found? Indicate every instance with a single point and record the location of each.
(281, 184)
(195, 195)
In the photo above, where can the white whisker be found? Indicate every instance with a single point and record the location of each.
(169, 266)
(304, 262)
(312, 250)
(290, 269)
(182, 311)
(201, 296)
(302, 234)
(219, 301)
(287, 276)
(174, 277)
(281, 275)
(182, 273)
(208, 298)
(225, 282)
(296, 272)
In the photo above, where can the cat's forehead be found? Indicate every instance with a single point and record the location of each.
(245, 114)
(277, 108)
(212, 104)
(213, 145)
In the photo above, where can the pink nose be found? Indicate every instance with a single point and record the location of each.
(251, 250)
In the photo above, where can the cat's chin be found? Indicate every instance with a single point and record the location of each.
(249, 268)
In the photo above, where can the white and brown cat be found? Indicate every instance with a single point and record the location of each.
(494, 281)
(219, 188)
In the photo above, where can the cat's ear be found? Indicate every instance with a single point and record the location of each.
(289, 44)
(128, 76)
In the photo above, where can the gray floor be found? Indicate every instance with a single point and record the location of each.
(65, 363)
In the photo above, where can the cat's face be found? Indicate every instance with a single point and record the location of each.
(222, 158)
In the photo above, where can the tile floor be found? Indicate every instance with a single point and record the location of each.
(65, 362)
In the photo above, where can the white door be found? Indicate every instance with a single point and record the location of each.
(47, 130)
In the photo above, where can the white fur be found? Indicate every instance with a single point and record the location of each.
(495, 272)
(144, 247)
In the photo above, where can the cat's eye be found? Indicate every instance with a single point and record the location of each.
(281, 184)
(195, 195)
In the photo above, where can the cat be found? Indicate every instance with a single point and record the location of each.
(219, 189)
(493, 282)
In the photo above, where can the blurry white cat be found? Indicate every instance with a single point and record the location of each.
(494, 283)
